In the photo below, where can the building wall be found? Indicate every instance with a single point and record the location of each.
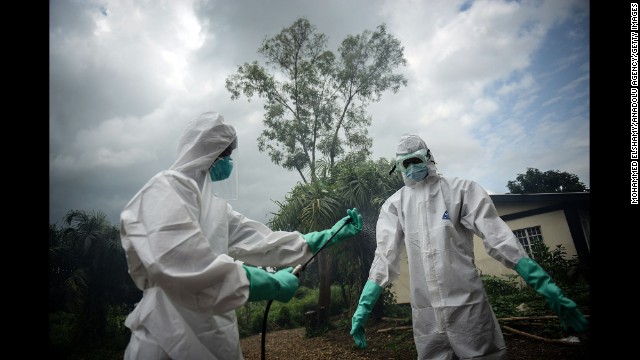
(400, 286)
(555, 231)
(554, 228)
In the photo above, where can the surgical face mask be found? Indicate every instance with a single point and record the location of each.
(221, 168)
(417, 172)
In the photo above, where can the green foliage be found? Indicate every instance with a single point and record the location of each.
(284, 319)
(63, 327)
(309, 207)
(398, 311)
(287, 315)
(354, 182)
(90, 290)
(250, 317)
(337, 300)
(506, 293)
(281, 315)
(365, 182)
(551, 181)
(511, 297)
(564, 270)
(315, 99)
(504, 285)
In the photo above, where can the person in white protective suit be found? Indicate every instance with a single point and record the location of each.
(435, 218)
(185, 248)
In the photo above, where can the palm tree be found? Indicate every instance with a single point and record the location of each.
(354, 182)
(88, 271)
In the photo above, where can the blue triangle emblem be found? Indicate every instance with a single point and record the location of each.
(445, 216)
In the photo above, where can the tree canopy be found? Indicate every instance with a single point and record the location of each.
(551, 181)
(315, 98)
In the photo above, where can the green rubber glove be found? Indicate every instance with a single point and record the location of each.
(264, 285)
(368, 298)
(318, 238)
(540, 281)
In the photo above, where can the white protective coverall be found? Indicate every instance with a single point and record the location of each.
(182, 242)
(435, 220)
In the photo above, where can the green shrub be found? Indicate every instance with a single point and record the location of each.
(506, 293)
(284, 319)
(563, 269)
(63, 328)
(398, 311)
(250, 318)
(337, 300)
(505, 285)
(286, 315)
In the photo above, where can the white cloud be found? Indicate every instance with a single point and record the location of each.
(126, 76)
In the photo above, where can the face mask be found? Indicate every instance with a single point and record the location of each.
(417, 172)
(221, 168)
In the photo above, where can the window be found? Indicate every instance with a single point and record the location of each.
(527, 236)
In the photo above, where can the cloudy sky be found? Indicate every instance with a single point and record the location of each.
(494, 87)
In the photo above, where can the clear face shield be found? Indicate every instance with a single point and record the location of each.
(224, 173)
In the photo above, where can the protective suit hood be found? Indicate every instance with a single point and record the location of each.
(185, 249)
(206, 137)
(411, 143)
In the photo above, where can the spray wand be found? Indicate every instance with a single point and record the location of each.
(296, 271)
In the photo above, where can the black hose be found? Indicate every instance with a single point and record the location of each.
(296, 272)
(264, 328)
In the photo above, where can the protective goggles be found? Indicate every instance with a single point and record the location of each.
(416, 157)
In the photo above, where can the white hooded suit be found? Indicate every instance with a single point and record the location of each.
(182, 245)
(435, 219)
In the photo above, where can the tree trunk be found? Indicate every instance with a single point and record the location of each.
(324, 298)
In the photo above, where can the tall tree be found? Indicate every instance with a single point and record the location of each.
(551, 181)
(315, 101)
(315, 104)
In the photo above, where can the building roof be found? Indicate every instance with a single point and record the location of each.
(520, 198)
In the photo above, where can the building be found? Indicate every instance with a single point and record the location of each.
(556, 218)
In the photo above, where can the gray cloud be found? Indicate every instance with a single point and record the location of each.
(490, 90)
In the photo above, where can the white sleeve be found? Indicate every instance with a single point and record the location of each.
(254, 243)
(166, 248)
(480, 216)
(385, 267)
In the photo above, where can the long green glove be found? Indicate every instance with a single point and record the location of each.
(263, 285)
(540, 281)
(368, 298)
(318, 238)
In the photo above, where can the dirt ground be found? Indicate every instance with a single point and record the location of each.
(393, 342)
